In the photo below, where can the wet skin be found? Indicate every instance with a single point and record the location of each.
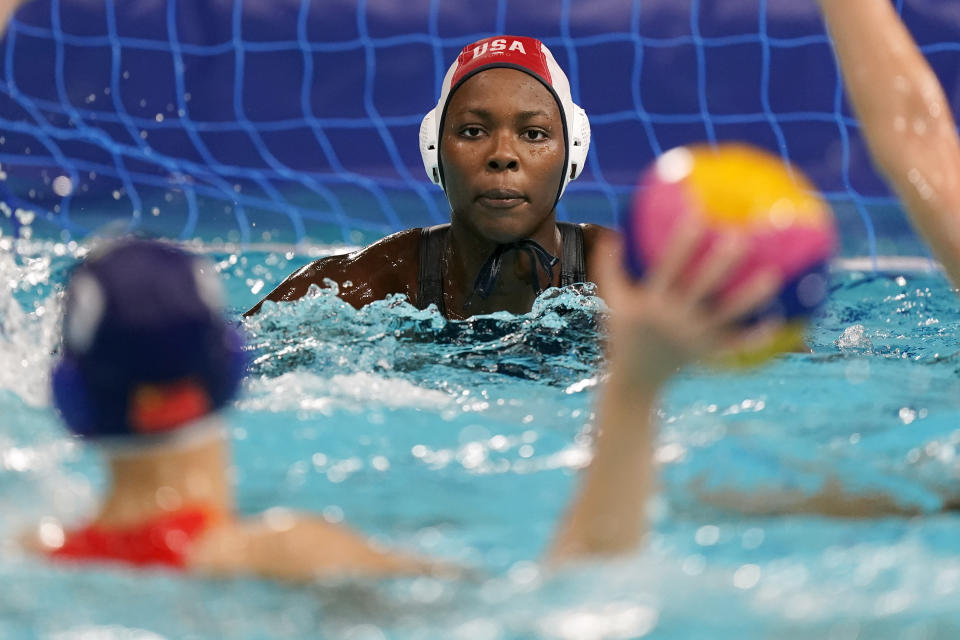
(502, 153)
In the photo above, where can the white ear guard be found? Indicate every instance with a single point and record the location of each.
(429, 146)
(578, 131)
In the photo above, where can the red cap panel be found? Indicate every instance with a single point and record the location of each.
(502, 50)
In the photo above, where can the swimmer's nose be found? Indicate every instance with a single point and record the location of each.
(503, 154)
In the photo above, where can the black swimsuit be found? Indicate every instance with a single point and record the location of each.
(433, 239)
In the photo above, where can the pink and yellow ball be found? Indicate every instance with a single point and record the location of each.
(738, 189)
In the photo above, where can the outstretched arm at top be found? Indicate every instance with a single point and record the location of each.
(904, 116)
(7, 9)
(656, 326)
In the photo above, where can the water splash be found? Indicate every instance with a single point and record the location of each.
(892, 316)
(558, 342)
(29, 319)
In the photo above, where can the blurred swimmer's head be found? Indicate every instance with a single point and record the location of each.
(146, 349)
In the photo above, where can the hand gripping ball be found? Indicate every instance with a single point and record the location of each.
(742, 190)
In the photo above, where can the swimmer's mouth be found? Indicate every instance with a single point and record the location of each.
(501, 198)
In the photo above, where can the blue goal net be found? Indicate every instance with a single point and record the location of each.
(297, 120)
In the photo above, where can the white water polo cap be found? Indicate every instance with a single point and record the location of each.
(512, 52)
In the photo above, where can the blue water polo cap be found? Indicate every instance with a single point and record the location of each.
(146, 348)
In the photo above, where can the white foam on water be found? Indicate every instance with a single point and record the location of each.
(108, 632)
(301, 390)
(27, 338)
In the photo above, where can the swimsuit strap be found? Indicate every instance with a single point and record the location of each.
(487, 278)
(430, 278)
(160, 541)
(573, 266)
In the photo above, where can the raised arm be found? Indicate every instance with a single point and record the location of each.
(655, 327)
(904, 116)
(7, 8)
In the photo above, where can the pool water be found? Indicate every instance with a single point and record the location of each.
(463, 440)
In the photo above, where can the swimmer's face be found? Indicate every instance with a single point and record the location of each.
(502, 151)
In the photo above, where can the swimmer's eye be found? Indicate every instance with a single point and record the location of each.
(471, 132)
(535, 135)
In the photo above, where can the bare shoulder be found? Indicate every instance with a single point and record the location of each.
(397, 252)
(595, 233)
(32, 542)
(220, 551)
(387, 266)
(596, 238)
(288, 546)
